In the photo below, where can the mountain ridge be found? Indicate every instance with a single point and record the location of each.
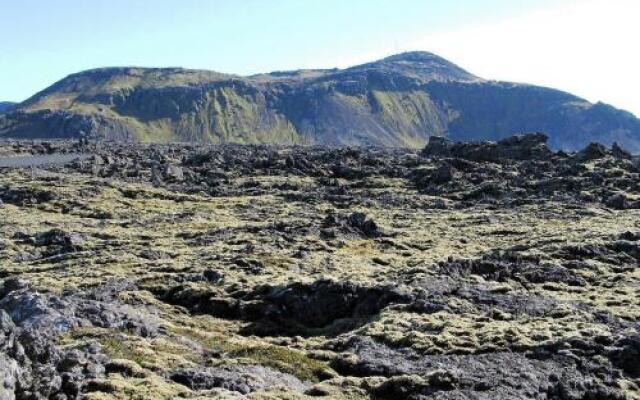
(6, 105)
(399, 100)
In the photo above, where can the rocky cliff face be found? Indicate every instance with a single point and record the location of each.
(398, 101)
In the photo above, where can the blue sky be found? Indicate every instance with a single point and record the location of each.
(43, 41)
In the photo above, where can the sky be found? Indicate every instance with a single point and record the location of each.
(586, 47)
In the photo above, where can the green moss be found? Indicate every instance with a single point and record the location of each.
(117, 348)
(410, 114)
(281, 358)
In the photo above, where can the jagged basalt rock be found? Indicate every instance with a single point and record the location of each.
(445, 173)
(59, 241)
(22, 196)
(438, 147)
(626, 355)
(402, 387)
(33, 367)
(243, 379)
(288, 272)
(425, 178)
(617, 202)
(355, 223)
(505, 267)
(593, 151)
(494, 375)
(324, 302)
(619, 152)
(32, 364)
(173, 173)
(297, 308)
(519, 147)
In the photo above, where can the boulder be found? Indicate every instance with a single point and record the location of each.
(593, 151)
(532, 146)
(67, 242)
(617, 202)
(443, 174)
(355, 223)
(619, 152)
(243, 379)
(173, 173)
(438, 146)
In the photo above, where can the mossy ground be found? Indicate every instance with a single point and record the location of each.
(119, 221)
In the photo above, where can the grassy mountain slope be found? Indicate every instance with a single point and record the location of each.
(397, 101)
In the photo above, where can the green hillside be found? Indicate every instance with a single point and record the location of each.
(397, 101)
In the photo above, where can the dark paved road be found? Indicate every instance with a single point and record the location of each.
(40, 160)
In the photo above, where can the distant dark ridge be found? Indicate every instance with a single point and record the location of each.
(6, 106)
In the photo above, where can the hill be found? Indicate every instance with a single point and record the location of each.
(398, 101)
(5, 105)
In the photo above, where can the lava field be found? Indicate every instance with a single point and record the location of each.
(489, 270)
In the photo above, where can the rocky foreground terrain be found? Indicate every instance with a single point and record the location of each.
(460, 271)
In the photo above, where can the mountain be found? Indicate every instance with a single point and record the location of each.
(398, 101)
(5, 106)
